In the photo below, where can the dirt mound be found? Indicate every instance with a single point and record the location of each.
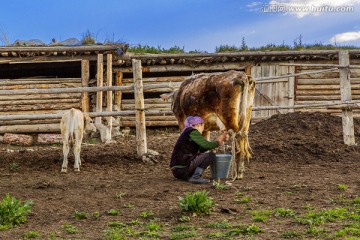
(301, 137)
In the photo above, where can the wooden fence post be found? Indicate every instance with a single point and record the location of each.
(291, 87)
(109, 93)
(118, 94)
(85, 77)
(345, 90)
(141, 143)
(100, 81)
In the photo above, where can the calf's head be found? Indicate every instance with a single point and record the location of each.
(89, 125)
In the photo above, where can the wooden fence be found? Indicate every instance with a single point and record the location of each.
(281, 88)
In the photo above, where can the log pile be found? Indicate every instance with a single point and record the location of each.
(37, 103)
(324, 88)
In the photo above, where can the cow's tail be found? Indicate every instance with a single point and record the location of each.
(72, 126)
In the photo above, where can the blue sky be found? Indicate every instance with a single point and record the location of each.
(193, 24)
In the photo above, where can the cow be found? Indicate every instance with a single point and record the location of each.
(224, 100)
(74, 125)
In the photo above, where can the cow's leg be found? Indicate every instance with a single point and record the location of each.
(240, 168)
(66, 149)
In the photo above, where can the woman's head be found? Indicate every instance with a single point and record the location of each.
(191, 121)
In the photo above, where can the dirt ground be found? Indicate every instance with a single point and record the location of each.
(298, 159)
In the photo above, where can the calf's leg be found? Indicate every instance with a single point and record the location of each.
(66, 149)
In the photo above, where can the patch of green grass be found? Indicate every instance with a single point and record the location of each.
(120, 233)
(30, 234)
(134, 222)
(316, 218)
(261, 216)
(153, 226)
(356, 201)
(13, 166)
(218, 185)
(244, 230)
(80, 215)
(342, 187)
(142, 49)
(224, 224)
(314, 231)
(95, 215)
(183, 235)
(70, 229)
(197, 202)
(243, 200)
(113, 212)
(282, 212)
(148, 214)
(120, 195)
(184, 219)
(13, 212)
(290, 234)
(116, 224)
(88, 38)
(182, 227)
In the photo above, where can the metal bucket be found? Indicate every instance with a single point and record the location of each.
(221, 166)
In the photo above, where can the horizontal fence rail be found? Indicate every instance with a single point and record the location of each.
(84, 89)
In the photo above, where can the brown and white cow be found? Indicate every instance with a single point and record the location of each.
(74, 124)
(224, 101)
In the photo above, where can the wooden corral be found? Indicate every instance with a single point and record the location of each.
(69, 67)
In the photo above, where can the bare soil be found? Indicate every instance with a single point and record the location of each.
(298, 159)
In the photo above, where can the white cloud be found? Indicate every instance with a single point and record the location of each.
(301, 8)
(345, 37)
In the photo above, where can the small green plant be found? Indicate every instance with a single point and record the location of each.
(13, 166)
(244, 230)
(182, 227)
(148, 214)
(31, 234)
(242, 198)
(153, 226)
(128, 205)
(13, 212)
(88, 38)
(282, 212)
(119, 233)
(113, 212)
(183, 235)
(70, 229)
(224, 224)
(342, 187)
(197, 202)
(184, 219)
(290, 234)
(120, 195)
(134, 222)
(80, 215)
(116, 224)
(260, 216)
(95, 215)
(218, 185)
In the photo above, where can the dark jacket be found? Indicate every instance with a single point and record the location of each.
(186, 149)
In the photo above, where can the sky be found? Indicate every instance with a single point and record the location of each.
(200, 25)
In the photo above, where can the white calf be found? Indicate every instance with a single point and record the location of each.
(74, 124)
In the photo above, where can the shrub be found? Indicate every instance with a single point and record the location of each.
(197, 202)
(12, 212)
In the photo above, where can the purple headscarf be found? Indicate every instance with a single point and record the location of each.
(193, 120)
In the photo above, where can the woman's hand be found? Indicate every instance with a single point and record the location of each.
(222, 137)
